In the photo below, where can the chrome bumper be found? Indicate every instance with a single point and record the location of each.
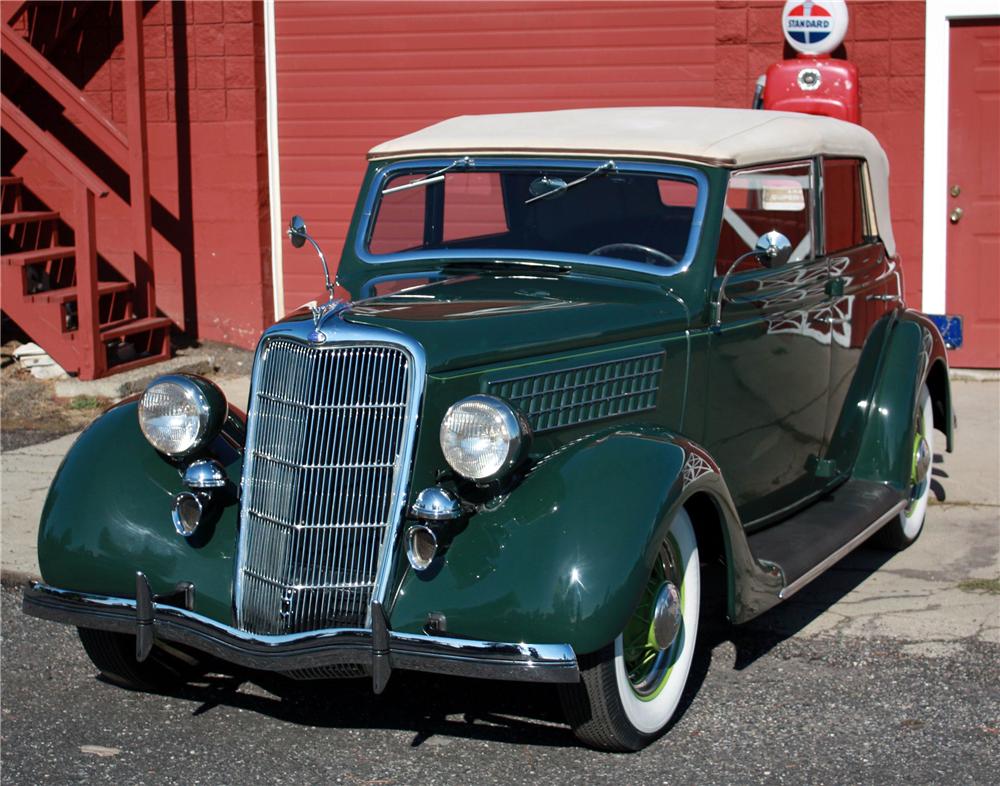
(379, 648)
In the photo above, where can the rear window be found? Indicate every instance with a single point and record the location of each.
(843, 217)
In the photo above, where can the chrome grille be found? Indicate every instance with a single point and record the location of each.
(324, 450)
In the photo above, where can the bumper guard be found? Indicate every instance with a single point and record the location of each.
(379, 648)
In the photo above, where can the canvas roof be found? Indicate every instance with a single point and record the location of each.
(724, 137)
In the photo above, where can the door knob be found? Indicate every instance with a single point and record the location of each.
(956, 215)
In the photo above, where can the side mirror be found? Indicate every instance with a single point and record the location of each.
(773, 249)
(297, 231)
(298, 235)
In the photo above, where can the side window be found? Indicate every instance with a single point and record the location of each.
(762, 199)
(843, 216)
(473, 205)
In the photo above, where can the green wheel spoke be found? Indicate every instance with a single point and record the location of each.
(645, 664)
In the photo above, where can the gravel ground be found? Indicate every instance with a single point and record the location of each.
(31, 414)
(766, 710)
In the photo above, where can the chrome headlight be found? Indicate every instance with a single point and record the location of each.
(482, 437)
(178, 414)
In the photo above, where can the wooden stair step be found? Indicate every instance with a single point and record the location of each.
(37, 255)
(65, 294)
(130, 327)
(10, 180)
(27, 217)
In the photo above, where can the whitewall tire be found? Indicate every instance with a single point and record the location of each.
(903, 530)
(630, 690)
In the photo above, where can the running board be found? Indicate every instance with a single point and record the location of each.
(812, 540)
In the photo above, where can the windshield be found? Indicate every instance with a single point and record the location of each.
(643, 216)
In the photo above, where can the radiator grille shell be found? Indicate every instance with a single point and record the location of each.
(328, 442)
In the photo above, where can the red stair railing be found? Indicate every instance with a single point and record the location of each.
(129, 153)
(63, 164)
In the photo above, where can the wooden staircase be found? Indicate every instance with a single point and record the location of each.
(91, 317)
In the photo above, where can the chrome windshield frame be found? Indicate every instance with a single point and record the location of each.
(489, 163)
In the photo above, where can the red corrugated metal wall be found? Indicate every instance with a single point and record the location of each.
(353, 74)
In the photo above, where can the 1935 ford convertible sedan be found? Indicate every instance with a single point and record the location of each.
(587, 354)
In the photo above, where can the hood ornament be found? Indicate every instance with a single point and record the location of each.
(298, 235)
(316, 336)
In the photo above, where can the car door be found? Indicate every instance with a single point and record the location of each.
(769, 359)
(864, 288)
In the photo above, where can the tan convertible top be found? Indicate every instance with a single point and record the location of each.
(726, 137)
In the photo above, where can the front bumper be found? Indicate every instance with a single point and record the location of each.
(379, 648)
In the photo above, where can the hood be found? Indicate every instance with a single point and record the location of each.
(479, 319)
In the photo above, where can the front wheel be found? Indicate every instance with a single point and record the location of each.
(630, 690)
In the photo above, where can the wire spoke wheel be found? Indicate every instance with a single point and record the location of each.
(647, 663)
(630, 689)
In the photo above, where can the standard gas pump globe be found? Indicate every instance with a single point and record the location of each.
(589, 357)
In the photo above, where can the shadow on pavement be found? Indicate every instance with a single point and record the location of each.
(430, 705)
(427, 705)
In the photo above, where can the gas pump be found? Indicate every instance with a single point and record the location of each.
(814, 82)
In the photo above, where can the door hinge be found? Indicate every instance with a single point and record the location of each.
(822, 468)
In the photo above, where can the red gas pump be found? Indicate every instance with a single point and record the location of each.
(814, 83)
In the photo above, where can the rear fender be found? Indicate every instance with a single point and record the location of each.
(914, 355)
(107, 515)
(566, 555)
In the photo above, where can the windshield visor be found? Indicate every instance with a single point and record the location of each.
(638, 216)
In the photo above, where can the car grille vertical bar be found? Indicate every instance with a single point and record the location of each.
(325, 447)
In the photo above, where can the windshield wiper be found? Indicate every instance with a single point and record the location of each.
(433, 177)
(608, 167)
(504, 266)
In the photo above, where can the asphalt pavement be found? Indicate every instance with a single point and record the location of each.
(884, 670)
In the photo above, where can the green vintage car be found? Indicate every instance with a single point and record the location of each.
(596, 365)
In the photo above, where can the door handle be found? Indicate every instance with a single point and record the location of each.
(956, 215)
(884, 298)
(831, 320)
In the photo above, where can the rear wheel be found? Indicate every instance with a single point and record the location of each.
(114, 656)
(903, 530)
(630, 690)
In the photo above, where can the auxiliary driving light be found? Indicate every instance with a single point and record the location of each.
(436, 511)
(421, 546)
(186, 513)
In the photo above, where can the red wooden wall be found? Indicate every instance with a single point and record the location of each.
(352, 74)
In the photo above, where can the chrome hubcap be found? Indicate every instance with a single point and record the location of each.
(922, 462)
(666, 615)
(652, 639)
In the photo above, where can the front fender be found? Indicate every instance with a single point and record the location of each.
(566, 555)
(107, 515)
(563, 558)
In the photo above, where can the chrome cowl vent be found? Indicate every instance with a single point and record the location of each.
(328, 441)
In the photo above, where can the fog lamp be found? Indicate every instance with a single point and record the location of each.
(186, 513)
(421, 546)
